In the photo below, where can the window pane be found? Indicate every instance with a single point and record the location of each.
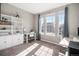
(61, 18)
(41, 24)
(50, 23)
(61, 23)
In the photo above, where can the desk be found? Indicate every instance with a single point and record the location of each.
(27, 37)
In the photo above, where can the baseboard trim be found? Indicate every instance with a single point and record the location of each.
(52, 42)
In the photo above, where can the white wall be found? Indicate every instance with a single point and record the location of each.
(27, 18)
(49, 38)
(73, 17)
(36, 22)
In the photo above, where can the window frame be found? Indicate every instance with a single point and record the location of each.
(59, 13)
(56, 20)
(50, 33)
(41, 26)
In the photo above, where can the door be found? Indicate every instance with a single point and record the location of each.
(9, 41)
(3, 43)
(20, 39)
(17, 39)
(14, 40)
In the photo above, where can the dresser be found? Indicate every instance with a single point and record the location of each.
(73, 48)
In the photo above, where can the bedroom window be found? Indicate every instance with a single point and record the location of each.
(50, 22)
(61, 24)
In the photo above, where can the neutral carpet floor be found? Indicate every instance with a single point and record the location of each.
(34, 48)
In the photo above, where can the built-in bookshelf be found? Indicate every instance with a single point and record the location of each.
(10, 25)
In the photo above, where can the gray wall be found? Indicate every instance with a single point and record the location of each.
(28, 20)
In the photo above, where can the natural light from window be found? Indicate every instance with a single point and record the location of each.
(44, 51)
(61, 24)
(28, 50)
(50, 22)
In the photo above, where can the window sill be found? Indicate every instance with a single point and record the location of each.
(42, 33)
(50, 34)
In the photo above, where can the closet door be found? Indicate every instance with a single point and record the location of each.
(14, 40)
(20, 39)
(3, 43)
(9, 41)
(17, 39)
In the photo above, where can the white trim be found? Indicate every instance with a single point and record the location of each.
(50, 34)
(52, 42)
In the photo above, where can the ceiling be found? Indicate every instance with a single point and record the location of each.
(36, 8)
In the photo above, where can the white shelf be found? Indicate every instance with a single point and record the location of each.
(16, 24)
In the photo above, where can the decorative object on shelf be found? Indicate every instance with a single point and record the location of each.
(5, 23)
(4, 19)
(17, 31)
(3, 28)
(24, 30)
(17, 15)
(10, 24)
